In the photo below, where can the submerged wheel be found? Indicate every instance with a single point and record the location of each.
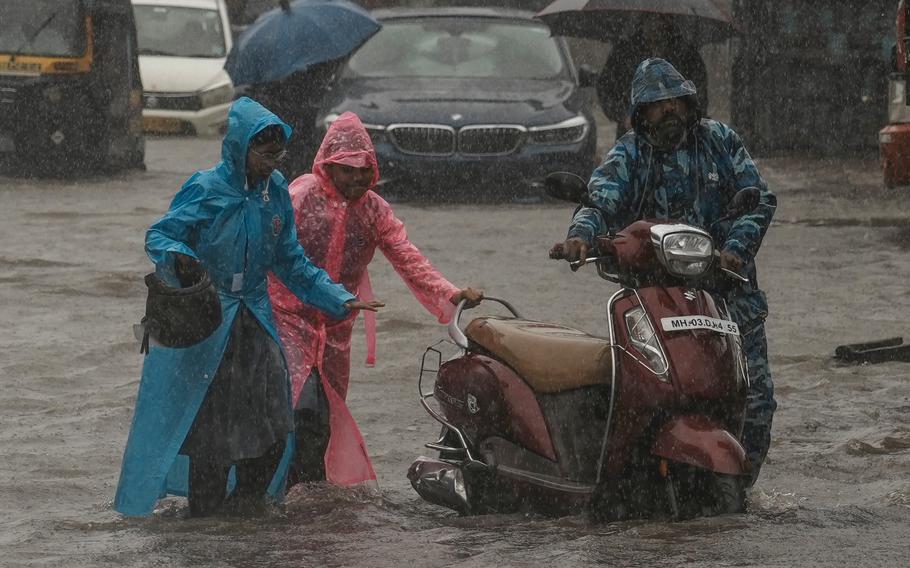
(729, 494)
(697, 493)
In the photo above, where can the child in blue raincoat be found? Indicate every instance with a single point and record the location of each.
(223, 404)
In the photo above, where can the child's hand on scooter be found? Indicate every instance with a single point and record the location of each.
(473, 297)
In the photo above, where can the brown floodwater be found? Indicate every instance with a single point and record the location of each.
(835, 490)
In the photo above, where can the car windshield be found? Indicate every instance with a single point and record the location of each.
(42, 27)
(459, 48)
(179, 32)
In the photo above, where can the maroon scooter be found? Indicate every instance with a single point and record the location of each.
(643, 422)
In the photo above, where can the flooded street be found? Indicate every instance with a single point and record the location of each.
(835, 490)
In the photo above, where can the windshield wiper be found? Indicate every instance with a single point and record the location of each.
(35, 34)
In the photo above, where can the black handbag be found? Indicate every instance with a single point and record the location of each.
(180, 317)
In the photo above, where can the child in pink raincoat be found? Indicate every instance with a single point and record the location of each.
(340, 223)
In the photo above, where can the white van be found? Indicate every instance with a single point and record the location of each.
(182, 48)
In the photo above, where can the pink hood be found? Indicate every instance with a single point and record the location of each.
(347, 142)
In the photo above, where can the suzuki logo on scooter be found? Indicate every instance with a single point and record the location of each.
(690, 295)
(473, 407)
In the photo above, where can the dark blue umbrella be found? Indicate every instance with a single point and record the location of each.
(284, 41)
(700, 21)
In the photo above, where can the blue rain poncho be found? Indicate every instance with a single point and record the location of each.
(239, 235)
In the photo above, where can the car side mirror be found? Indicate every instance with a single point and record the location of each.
(566, 186)
(587, 76)
(745, 201)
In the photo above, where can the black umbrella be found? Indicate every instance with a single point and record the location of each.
(700, 21)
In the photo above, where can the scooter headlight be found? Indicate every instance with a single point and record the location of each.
(682, 249)
(644, 339)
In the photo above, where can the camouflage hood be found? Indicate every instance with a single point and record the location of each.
(657, 80)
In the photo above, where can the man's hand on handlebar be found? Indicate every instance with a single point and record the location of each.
(731, 261)
(575, 249)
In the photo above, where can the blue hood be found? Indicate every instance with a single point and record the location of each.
(245, 119)
(657, 80)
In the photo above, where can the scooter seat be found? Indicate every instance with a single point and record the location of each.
(550, 357)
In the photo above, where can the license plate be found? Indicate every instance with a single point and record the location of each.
(699, 322)
(163, 125)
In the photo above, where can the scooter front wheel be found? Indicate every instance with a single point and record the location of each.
(697, 493)
(729, 494)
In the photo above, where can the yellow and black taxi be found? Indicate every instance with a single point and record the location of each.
(70, 91)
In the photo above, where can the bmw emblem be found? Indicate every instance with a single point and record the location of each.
(456, 117)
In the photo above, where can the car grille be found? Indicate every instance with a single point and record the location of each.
(442, 140)
(170, 101)
(489, 140)
(423, 139)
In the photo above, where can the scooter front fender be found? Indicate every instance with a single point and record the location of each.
(702, 442)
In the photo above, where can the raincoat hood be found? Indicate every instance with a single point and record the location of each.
(348, 143)
(657, 80)
(245, 119)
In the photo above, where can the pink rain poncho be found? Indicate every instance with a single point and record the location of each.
(341, 237)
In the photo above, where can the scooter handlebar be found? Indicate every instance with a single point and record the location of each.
(558, 252)
(726, 271)
(734, 275)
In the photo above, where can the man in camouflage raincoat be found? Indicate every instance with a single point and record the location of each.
(676, 165)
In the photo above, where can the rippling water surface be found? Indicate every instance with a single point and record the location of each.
(835, 490)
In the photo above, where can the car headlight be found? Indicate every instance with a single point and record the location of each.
(217, 95)
(682, 249)
(328, 119)
(376, 131)
(566, 132)
(645, 340)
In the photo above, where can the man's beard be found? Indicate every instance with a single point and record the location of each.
(669, 133)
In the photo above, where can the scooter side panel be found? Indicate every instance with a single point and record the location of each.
(487, 398)
(702, 442)
(577, 420)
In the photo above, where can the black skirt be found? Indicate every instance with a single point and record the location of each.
(246, 409)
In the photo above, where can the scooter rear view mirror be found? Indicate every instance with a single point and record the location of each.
(566, 186)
